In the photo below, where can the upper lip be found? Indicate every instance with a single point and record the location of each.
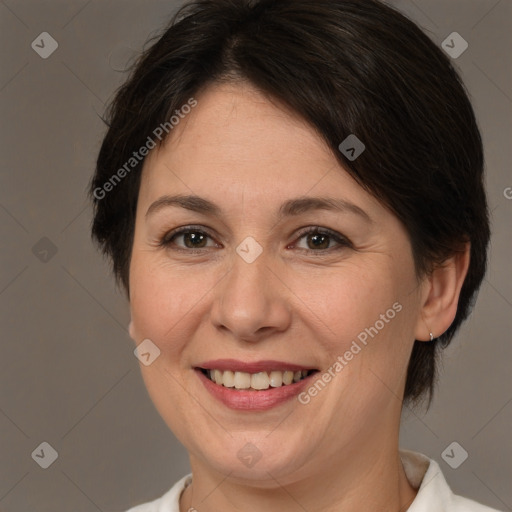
(251, 367)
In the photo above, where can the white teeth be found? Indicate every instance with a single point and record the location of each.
(255, 381)
(228, 379)
(217, 376)
(276, 379)
(287, 377)
(242, 380)
(260, 380)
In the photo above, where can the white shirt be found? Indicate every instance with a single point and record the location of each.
(424, 474)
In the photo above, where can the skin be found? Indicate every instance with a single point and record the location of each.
(339, 452)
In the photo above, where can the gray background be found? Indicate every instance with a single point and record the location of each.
(68, 375)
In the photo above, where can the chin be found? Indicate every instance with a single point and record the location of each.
(256, 460)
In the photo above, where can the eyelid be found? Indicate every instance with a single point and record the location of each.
(341, 240)
(165, 240)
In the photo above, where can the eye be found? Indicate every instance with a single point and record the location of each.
(194, 239)
(319, 239)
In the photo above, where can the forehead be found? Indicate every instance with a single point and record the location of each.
(231, 112)
(238, 143)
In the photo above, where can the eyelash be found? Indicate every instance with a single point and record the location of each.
(168, 239)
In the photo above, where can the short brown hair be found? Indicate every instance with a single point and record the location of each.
(346, 67)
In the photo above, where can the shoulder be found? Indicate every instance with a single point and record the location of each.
(169, 502)
(434, 493)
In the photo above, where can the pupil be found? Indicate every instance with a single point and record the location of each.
(317, 237)
(193, 237)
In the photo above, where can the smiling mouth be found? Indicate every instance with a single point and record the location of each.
(259, 381)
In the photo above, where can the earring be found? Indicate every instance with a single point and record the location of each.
(431, 337)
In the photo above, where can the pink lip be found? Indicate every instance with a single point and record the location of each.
(253, 400)
(253, 367)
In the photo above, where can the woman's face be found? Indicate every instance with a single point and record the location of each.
(247, 288)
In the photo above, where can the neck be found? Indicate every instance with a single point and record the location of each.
(355, 480)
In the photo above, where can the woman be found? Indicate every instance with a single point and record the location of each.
(291, 194)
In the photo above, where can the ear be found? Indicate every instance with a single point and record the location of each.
(131, 330)
(441, 296)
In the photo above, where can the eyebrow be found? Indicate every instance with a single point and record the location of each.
(292, 207)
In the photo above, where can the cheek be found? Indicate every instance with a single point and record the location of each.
(157, 299)
(363, 313)
(346, 300)
(159, 303)
(166, 301)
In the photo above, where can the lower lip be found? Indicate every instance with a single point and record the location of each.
(252, 400)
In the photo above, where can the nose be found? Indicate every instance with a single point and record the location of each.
(251, 302)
